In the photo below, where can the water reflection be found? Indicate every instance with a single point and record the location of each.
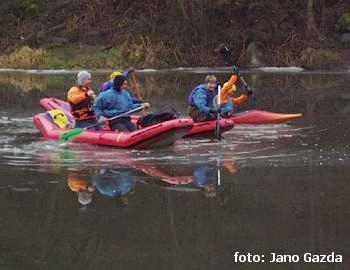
(120, 182)
(116, 173)
(24, 83)
(82, 184)
(286, 191)
(113, 183)
(107, 182)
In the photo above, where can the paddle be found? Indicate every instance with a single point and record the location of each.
(136, 85)
(227, 56)
(67, 136)
(217, 128)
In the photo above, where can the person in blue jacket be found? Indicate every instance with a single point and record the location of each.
(116, 101)
(201, 100)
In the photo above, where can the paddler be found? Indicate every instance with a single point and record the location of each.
(81, 98)
(116, 101)
(201, 99)
(109, 84)
(229, 103)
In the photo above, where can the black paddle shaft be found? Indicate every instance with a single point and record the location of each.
(227, 55)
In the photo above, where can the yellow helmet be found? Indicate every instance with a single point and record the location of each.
(115, 74)
(233, 88)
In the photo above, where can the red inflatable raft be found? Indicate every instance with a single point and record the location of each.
(159, 135)
(162, 134)
(201, 129)
(259, 117)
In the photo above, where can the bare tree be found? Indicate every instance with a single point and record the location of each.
(311, 24)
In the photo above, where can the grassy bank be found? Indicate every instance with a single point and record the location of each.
(98, 57)
(91, 57)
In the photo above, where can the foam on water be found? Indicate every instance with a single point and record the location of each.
(280, 69)
(38, 71)
(147, 70)
(11, 120)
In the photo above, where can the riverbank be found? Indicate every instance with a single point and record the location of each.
(167, 34)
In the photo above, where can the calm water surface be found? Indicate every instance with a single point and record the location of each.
(274, 188)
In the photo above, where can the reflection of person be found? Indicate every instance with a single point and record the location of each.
(107, 182)
(81, 186)
(114, 183)
(205, 176)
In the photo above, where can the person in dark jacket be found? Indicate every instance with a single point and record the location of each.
(116, 101)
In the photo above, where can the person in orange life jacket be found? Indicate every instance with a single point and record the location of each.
(116, 101)
(228, 102)
(201, 99)
(81, 99)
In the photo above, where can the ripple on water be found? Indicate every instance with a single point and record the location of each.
(263, 145)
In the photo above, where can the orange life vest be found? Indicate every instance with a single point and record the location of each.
(81, 103)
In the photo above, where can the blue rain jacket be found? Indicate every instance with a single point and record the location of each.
(112, 102)
(201, 98)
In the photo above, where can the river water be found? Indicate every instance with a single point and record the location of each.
(280, 188)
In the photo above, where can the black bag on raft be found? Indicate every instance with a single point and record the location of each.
(164, 114)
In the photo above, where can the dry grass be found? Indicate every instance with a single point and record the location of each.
(25, 57)
(319, 59)
(141, 52)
